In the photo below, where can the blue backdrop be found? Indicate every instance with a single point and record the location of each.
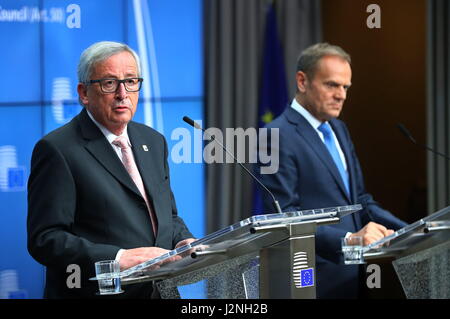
(42, 44)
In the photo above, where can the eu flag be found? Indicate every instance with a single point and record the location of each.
(274, 92)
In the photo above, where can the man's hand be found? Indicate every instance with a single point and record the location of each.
(136, 256)
(133, 257)
(372, 232)
(184, 242)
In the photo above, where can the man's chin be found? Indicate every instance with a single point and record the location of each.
(122, 117)
(121, 121)
(116, 126)
(334, 114)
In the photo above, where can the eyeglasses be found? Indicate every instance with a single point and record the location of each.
(111, 85)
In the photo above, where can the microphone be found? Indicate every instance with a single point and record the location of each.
(275, 203)
(191, 122)
(405, 132)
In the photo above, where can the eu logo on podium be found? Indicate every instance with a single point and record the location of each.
(307, 277)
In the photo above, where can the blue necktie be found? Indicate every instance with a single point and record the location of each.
(331, 146)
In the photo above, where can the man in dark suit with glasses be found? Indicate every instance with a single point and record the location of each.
(99, 187)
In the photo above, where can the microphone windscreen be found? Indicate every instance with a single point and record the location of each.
(188, 120)
(191, 122)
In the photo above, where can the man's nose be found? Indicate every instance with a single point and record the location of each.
(121, 92)
(341, 93)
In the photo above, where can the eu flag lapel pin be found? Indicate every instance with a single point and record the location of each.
(145, 148)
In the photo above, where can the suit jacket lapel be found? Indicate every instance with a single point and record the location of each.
(345, 146)
(145, 161)
(98, 146)
(311, 137)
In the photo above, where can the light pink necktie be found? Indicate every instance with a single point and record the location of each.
(130, 166)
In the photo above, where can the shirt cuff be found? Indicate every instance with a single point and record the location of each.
(119, 254)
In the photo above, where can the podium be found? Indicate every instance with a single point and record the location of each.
(421, 256)
(265, 256)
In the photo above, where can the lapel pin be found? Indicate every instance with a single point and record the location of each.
(145, 148)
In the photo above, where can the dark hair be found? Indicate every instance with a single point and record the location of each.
(308, 59)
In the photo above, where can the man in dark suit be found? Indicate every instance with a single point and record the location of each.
(318, 168)
(85, 204)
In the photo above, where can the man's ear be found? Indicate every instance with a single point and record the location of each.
(82, 93)
(302, 81)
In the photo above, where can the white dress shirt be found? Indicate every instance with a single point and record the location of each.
(315, 123)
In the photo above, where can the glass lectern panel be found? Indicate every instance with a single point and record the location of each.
(421, 255)
(239, 239)
(412, 234)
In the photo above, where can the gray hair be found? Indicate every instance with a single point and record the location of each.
(308, 59)
(99, 52)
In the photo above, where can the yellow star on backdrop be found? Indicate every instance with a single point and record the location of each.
(267, 117)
